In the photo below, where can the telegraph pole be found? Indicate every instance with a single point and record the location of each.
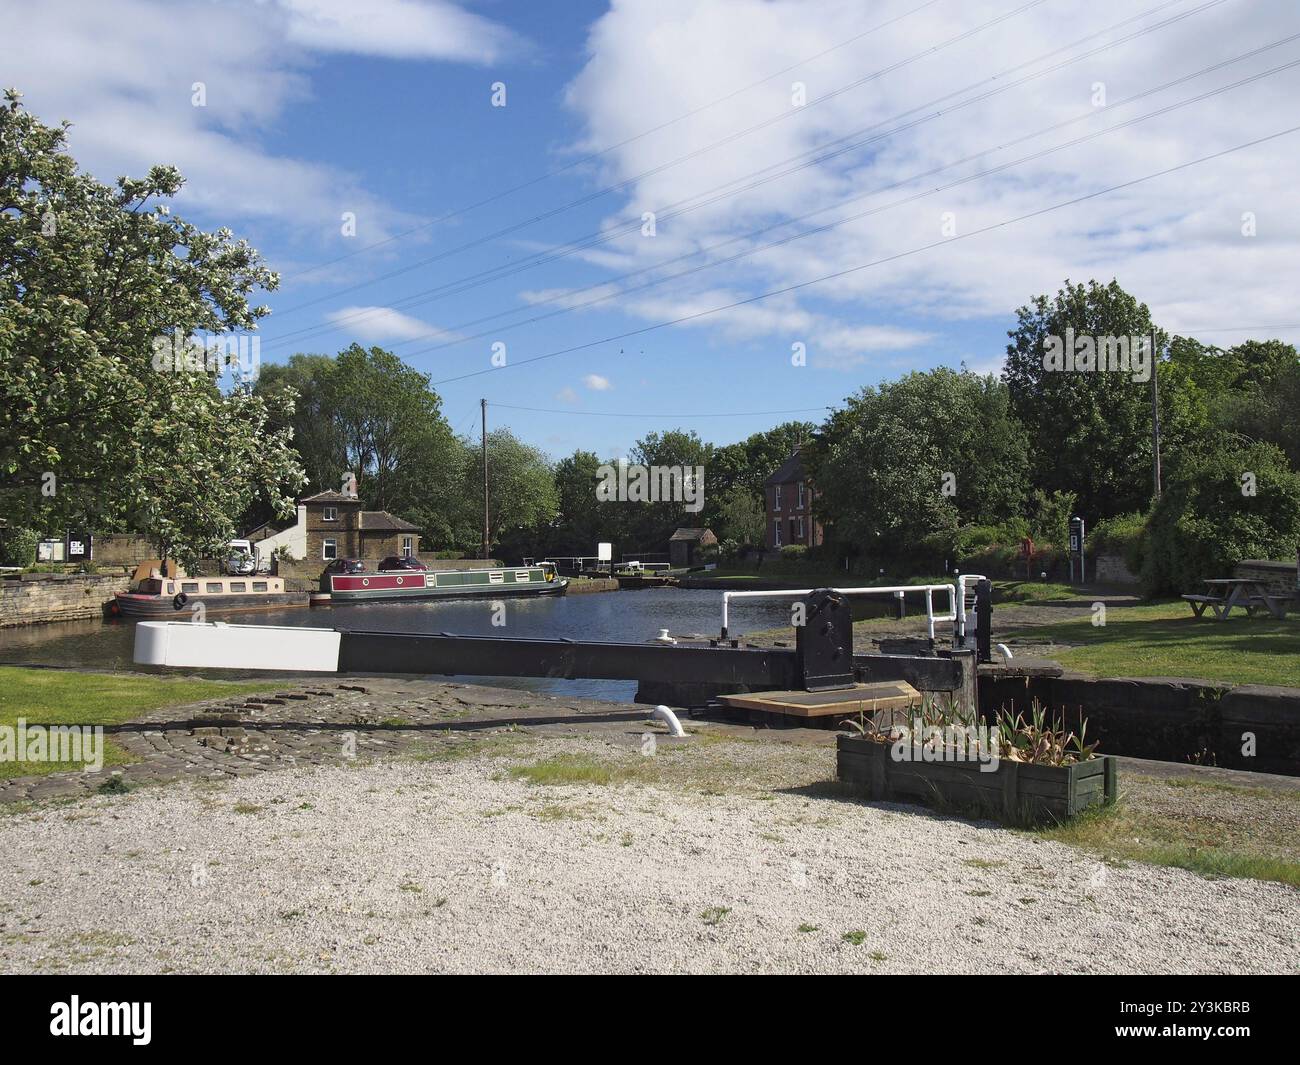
(1155, 416)
(483, 405)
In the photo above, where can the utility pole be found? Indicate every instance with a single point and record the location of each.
(1155, 415)
(483, 405)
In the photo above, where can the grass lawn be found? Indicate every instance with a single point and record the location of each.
(1210, 828)
(1165, 640)
(61, 697)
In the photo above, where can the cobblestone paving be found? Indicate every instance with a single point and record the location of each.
(313, 724)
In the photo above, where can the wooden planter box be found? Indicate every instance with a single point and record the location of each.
(1014, 792)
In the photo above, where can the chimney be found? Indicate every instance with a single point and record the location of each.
(350, 485)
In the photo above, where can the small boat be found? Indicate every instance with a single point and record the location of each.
(157, 596)
(539, 579)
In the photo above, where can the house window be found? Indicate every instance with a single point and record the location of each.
(331, 514)
(800, 507)
(330, 550)
(777, 504)
(776, 532)
(408, 546)
(801, 528)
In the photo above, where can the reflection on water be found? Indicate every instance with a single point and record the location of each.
(613, 616)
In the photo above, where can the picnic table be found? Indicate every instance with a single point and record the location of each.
(1246, 593)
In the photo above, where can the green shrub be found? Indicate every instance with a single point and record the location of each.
(794, 552)
(1124, 535)
(1205, 522)
(728, 548)
(18, 547)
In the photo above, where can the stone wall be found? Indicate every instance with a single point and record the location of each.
(122, 549)
(1281, 575)
(40, 597)
(1111, 569)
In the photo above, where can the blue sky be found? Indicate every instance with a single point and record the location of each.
(314, 108)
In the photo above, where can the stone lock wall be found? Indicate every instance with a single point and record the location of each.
(52, 597)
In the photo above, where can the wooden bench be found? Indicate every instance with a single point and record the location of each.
(1276, 605)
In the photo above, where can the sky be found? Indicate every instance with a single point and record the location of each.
(614, 218)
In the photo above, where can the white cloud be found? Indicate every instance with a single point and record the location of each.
(399, 29)
(378, 323)
(1174, 242)
(597, 383)
(567, 395)
(123, 74)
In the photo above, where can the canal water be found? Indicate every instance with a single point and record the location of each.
(629, 616)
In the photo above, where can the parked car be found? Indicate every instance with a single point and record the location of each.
(398, 562)
(345, 565)
(241, 565)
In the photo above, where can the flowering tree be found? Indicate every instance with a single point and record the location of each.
(108, 416)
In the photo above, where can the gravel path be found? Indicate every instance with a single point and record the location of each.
(457, 866)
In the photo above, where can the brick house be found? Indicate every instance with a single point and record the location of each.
(685, 546)
(788, 499)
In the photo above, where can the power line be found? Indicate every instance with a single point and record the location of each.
(646, 414)
(620, 144)
(810, 157)
(695, 316)
(829, 226)
(731, 137)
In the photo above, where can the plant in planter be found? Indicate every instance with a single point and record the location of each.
(1018, 770)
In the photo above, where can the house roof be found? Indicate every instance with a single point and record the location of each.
(690, 534)
(790, 470)
(382, 521)
(330, 497)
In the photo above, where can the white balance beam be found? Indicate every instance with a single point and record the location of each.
(216, 645)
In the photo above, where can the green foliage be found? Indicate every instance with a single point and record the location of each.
(740, 517)
(794, 552)
(880, 464)
(1205, 523)
(1088, 432)
(18, 546)
(1123, 535)
(99, 286)
(1049, 516)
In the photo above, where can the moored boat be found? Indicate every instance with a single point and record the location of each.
(157, 596)
(441, 584)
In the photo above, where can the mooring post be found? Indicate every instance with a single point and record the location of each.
(983, 619)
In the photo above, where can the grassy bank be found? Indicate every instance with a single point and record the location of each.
(1165, 640)
(1210, 828)
(61, 697)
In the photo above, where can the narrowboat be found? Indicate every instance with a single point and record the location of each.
(538, 579)
(157, 596)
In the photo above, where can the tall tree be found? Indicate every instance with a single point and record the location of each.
(111, 414)
(1089, 432)
(925, 453)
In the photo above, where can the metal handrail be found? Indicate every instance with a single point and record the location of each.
(954, 597)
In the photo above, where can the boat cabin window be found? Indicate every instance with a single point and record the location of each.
(190, 586)
(171, 587)
(151, 586)
(496, 578)
(214, 586)
(259, 586)
(521, 575)
(238, 586)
